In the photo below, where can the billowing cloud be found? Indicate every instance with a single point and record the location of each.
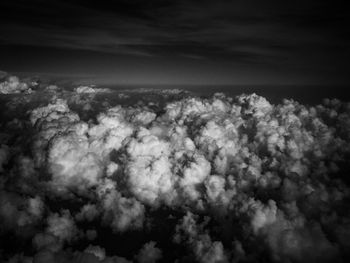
(89, 89)
(17, 212)
(225, 179)
(200, 243)
(121, 213)
(12, 85)
(149, 253)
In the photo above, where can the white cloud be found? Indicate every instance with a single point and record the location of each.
(88, 212)
(148, 172)
(122, 213)
(243, 171)
(99, 252)
(203, 248)
(62, 226)
(18, 211)
(12, 85)
(149, 253)
(193, 175)
(89, 89)
(263, 215)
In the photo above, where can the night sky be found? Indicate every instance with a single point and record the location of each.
(177, 42)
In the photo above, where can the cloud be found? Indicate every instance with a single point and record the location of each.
(149, 170)
(89, 89)
(203, 248)
(18, 212)
(88, 212)
(122, 213)
(100, 253)
(149, 253)
(222, 179)
(12, 85)
(62, 226)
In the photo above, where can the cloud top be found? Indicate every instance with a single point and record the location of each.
(226, 179)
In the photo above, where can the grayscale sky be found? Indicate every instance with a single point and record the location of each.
(178, 42)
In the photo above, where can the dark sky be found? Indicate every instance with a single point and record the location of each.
(175, 42)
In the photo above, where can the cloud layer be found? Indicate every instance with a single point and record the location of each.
(223, 179)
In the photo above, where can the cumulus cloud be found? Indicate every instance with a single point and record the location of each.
(12, 85)
(225, 179)
(203, 248)
(52, 88)
(99, 252)
(61, 226)
(149, 253)
(122, 213)
(149, 170)
(18, 212)
(89, 89)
